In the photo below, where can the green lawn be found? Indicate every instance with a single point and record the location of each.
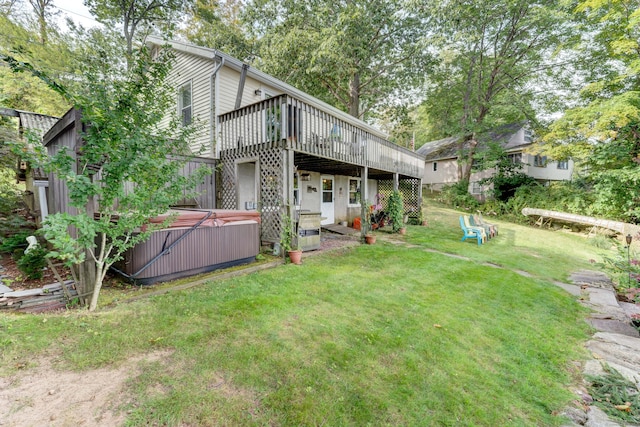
(374, 335)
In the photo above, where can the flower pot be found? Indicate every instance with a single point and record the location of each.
(370, 239)
(425, 223)
(295, 256)
(402, 230)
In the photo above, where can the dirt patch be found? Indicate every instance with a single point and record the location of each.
(43, 396)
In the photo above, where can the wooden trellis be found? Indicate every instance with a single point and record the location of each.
(409, 188)
(271, 192)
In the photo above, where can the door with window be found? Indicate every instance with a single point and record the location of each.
(326, 203)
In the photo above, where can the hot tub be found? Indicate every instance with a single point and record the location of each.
(197, 241)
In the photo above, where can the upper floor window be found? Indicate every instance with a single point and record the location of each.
(435, 166)
(540, 161)
(563, 164)
(528, 135)
(515, 158)
(184, 103)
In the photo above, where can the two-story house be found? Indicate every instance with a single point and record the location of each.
(441, 160)
(280, 147)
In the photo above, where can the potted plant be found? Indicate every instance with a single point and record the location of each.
(289, 240)
(395, 208)
(365, 224)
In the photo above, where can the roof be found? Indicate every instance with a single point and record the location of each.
(38, 123)
(446, 148)
(35, 122)
(256, 74)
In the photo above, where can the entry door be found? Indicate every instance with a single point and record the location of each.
(327, 198)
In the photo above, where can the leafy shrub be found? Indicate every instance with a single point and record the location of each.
(457, 195)
(33, 262)
(395, 208)
(18, 241)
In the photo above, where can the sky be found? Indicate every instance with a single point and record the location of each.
(75, 10)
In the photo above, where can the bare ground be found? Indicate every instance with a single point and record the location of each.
(43, 396)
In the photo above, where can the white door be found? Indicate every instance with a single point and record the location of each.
(326, 201)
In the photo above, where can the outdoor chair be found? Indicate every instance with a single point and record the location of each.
(480, 220)
(488, 230)
(471, 232)
(467, 224)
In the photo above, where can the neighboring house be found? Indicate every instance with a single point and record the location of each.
(279, 146)
(441, 165)
(36, 181)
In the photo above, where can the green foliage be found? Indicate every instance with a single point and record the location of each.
(33, 262)
(615, 395)
(17, 241)
(395, 209)
(354, 55)
(139, 161)
(623, 267)
(508, 176)
(288, 241)
(457, 196)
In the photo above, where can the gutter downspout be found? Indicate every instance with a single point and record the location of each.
(213, 119)
(243, 78)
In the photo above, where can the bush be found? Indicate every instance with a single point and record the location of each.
(457, 196)
(18, 241)
(33, 262)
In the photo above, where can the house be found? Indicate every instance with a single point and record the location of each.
(441, 164)
(36, 181)
(278, 147)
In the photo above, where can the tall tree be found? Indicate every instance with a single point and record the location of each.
(136, 15)
(354, 54)
(603, 131)
(489, 53)
(219, 25)
(43, 10)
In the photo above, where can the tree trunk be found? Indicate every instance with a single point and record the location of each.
(354, 96)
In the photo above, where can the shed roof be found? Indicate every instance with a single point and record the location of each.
(446, 148)
(35, 122)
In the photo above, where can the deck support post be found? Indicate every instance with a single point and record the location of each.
(396, 180)
(364, 202)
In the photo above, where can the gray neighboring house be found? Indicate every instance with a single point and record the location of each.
(36, 181)
(441, 164)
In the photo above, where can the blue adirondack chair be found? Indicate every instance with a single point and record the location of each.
(470, 232)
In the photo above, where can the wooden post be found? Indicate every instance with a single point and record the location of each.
(396, 180)
(364, 202)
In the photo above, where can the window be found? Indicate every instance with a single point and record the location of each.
(435, 166)
(354, 191)
(528, 135)
(515, 158)
(540, 161)
(476, 188)
(563, 164)
(184, 104)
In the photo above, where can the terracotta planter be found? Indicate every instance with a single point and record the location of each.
(295, 257)
(425, 223)
(370, 239)
(402, 230)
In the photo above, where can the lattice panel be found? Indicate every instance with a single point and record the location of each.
(410, 195)
(229, 180)
(271, 197)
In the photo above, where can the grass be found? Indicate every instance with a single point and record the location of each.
(374, 335)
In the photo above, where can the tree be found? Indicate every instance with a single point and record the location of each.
(136, 15)
(352, 54)
(489, 53)
(219, 25)
(42, 9)
(602, 132)
(129, 165)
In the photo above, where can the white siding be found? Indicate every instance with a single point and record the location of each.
(548, 173)
(446, 173)
(198, 71)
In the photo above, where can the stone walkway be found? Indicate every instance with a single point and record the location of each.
(616, 342)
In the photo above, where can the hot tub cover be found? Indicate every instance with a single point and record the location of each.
(214, 217)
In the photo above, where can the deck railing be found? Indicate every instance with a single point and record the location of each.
(289, 122)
